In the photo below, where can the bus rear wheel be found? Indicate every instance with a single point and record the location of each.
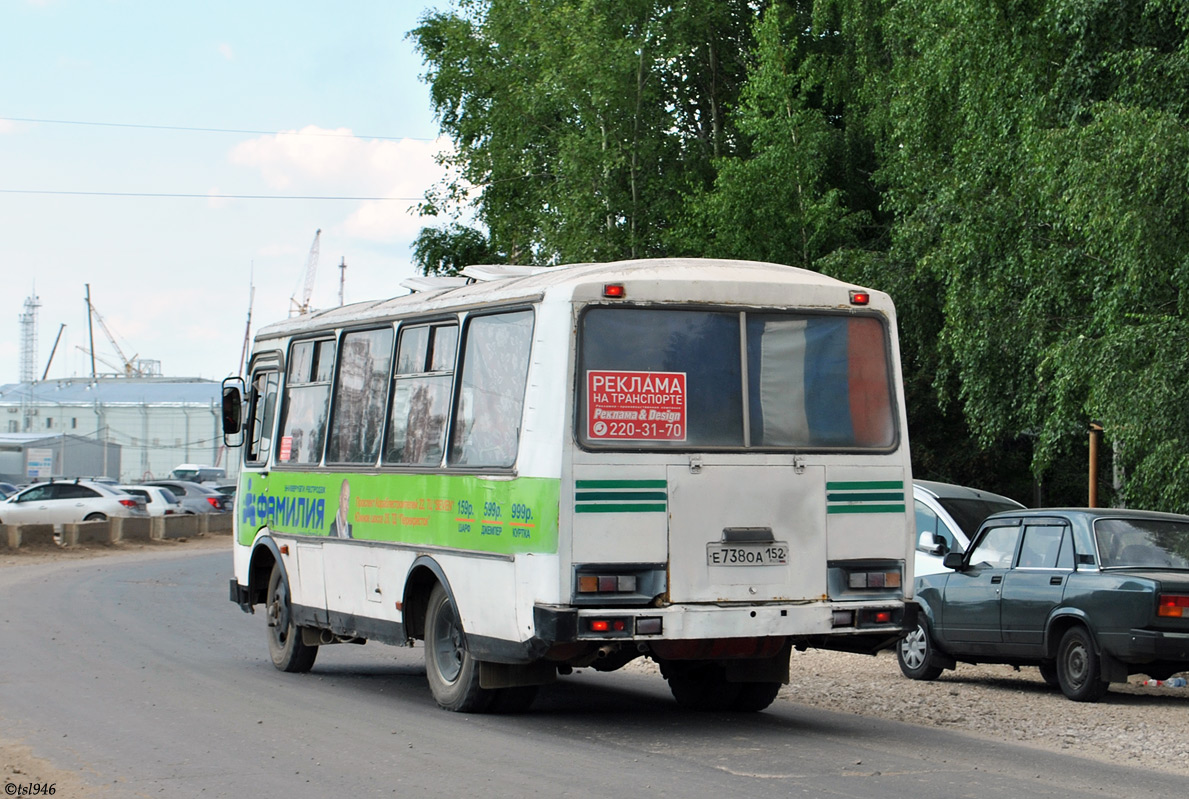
(701, 686)
(451, 670)
(285, 646)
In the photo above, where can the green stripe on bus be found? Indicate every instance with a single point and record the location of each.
(609, 508)
(622, 496)
(865, 497)
(864, 485)
(865, 509)
(621, 483)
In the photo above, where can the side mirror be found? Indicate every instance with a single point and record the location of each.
(233, 411)
(953, 560)
(932, 544)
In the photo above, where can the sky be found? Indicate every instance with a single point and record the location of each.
(133, 132)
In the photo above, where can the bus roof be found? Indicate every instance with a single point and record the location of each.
(500, 283)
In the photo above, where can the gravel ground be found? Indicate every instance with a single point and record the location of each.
(1132, 725)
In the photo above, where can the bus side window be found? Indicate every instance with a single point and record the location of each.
(360, 396)
(261, 417)
(421, 394)
(490, 405)
(307, 398)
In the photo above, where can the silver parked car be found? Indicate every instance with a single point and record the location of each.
(195, 497)
(158, 501)
(947, 517)
(69, 502)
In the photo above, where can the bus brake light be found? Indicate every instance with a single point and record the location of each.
(614, 291)
(860, 297)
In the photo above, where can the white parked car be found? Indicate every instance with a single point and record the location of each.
(947, 516)
(68, 502)
(158, 501)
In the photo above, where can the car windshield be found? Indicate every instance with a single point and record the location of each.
(970, 513)
(1142, 543)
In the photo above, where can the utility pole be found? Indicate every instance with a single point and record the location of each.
(342, 277)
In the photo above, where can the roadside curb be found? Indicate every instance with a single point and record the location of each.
(49, 537)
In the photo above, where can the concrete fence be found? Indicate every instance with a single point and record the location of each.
(114, 530)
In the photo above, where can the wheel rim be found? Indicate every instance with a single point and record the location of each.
(448, 649)
(1077, 664)
(914, 648)
(278, 616)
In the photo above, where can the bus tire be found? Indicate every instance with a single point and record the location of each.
(285, 646)
(702, 686)
(513, 700)
(755, 696)
(451, 670)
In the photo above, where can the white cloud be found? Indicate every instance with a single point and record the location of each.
(226, 51)
(336, 163)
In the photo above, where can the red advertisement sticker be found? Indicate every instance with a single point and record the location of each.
(635, 406)
(286, 449)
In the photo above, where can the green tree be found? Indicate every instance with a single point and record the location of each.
(578, 123)
(446, 251)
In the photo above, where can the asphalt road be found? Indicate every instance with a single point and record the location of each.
(136, 672)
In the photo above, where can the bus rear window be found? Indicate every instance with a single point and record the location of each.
(674, 378)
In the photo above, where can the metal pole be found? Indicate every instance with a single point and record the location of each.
(52, 351)
(91, 332)
(1095, 437)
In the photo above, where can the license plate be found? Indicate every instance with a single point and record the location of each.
(767, 554)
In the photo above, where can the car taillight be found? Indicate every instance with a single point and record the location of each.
(128, 503)
(1173, 605)
(214, 502)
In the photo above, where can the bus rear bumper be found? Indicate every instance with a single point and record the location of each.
(847, 626)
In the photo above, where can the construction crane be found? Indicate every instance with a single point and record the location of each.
(116, 370)
(297, 308)
(131, 367)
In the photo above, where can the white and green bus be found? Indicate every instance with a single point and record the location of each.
(535, 470)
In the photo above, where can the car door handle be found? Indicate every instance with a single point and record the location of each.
(1055, 580)
(998, 578)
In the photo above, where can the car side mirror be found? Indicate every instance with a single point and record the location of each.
(931, 543)
(233, 407)
(953, 560)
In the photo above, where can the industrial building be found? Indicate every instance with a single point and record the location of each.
(157, 423)
(26, 457)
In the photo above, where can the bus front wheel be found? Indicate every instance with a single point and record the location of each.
(288, 651)
(452, 672)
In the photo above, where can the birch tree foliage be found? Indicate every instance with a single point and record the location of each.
(1036, 161)
(578, 122)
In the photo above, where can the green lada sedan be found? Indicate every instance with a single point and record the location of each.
(1088, 595)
